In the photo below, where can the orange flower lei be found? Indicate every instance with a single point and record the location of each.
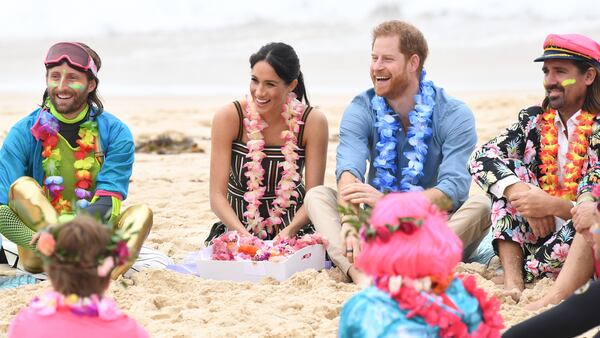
(576, 155)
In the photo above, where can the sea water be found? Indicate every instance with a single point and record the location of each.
(156, 47)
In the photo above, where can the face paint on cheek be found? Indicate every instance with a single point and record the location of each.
(76, 86)
(568, 82)
(52, 84)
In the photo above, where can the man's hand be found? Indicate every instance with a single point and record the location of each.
(514, 188)
(359, 192)
(532, 203)
(542, 226)
(350, 242)
(584, 215)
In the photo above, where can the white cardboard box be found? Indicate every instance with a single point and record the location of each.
(310, 257)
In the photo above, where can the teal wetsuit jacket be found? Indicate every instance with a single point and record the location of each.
(21, 155)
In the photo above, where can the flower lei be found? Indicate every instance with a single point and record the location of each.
(254, 124)
(576, 154)
(93, 306)
(419, 131)
(426, 298)
(233, 246)
(47, 130)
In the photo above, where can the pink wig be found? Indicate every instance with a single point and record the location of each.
(431, 250)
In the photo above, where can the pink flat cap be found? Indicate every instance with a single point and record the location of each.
(571, 47)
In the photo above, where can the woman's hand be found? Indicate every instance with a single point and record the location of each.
(584, 215)
(595, 232)
(285, 233)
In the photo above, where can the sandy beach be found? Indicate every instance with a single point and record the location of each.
(170, 304)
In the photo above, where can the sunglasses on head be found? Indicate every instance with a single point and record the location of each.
(74, 54)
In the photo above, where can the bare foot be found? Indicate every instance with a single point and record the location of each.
(498, 279)
(513, 287)
(534, 306)
(513, 293)
(540, 303)
(358, 277)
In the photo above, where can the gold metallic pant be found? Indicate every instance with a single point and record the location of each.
(27, 200)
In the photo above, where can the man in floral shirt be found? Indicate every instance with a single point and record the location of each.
(532, 171)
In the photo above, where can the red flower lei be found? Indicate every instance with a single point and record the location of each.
(450, 324)
(576, 155)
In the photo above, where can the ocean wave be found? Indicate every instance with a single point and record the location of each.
(43, 19)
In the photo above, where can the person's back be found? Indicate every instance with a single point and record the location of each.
(78, 257)
(31, 322)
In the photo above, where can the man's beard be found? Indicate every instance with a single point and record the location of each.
(77, 102)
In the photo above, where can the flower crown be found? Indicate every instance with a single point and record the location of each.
(359, 218)
(115, 254)
(408, 225)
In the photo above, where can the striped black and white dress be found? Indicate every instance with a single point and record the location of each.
(237, 180)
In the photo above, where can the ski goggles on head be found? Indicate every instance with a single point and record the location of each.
(74, 54)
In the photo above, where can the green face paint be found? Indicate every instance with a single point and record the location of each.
(76, 86)
(568, 82)
(52, 84)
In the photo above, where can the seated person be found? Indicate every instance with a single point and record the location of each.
(261, 145)
(413, 135)
(532, 172)
(67, 156)
(78, 258)
(410, 253)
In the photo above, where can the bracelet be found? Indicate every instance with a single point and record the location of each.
(586, 198)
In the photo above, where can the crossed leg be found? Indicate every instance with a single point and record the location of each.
(30, 211)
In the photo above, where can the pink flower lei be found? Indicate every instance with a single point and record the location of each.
(286, 187)
(93, 306)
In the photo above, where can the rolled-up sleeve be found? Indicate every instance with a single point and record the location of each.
(355, 131)
(460, 138)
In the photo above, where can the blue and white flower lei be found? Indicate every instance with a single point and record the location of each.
(387, 124)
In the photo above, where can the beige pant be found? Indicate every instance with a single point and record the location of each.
(471, 222)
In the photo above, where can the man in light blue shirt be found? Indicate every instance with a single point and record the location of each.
(414, 137)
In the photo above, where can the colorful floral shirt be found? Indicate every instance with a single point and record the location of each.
(521, 141)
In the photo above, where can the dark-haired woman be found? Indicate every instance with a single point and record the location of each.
(275, 146)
